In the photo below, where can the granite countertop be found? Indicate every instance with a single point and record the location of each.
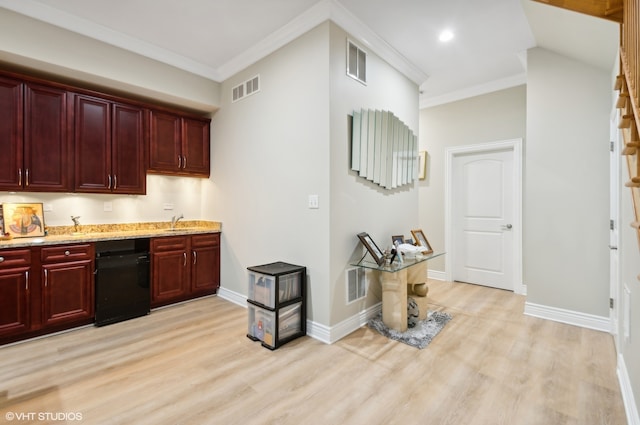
(101, 232)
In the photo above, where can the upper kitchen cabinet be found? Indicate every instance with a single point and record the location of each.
(34, 138)
(109, 146)
(178, 145)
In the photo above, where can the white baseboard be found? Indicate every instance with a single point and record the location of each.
(326, 334)
(627, 393)
(232, 296)
(584, 320)
(436, 275)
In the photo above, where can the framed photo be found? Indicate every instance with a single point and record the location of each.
(397, 238)
(371, 246)
(421, 240)
(23, 220)
(422, 165)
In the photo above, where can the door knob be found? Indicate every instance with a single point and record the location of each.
(507, 227)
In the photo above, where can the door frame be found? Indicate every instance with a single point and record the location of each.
(514, 145)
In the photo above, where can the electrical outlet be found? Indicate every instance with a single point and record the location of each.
(47, 207)
(108, 206)
(313, 202)
(167, 206)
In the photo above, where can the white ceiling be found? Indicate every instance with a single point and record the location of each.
(217, 38)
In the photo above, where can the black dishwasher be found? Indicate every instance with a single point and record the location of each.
(122, 280)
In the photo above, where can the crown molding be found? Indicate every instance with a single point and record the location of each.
(501, 84)
(106, 35)
(321, 12)
(325, 10)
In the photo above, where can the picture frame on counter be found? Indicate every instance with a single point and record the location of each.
(23, 220)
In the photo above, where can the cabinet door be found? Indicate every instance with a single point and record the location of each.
(10, 134)
(67, 290)
(127, 150)
(195, 147)
(14, 301)
(205, 265)
(169, 270)
(47, 147)
(165, 151)
(92, 145)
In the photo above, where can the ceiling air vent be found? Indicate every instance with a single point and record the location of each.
(245, 89)
(356, 62)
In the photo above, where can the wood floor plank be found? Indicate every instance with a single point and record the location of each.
(192, 364)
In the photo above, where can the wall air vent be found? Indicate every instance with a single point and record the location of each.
(356, 62)
(356, 284)
(245, 89)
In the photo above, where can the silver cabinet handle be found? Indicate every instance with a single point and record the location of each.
(195, 257)
(67, 253)
(109, 177)
(115, 182)
(1, 259)
(507, 227)
(19, 176)
(26, 275)
(26, 177)
(185, 259)
(184, 162)
(46, 278)
(179, 161)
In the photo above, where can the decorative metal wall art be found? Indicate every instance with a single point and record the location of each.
(383, 149)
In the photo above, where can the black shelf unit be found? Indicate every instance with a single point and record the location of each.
(277, 306)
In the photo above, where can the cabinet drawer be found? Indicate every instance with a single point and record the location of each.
(15, 258)
(210, 239)
(171, 243)
(62, 253)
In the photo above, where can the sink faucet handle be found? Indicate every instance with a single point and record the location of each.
(75, 219)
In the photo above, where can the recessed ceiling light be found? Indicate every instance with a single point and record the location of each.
(445, 36)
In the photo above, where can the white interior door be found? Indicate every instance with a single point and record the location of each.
(483, 218)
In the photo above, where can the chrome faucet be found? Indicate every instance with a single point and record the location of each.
(76, 222)
(174, 220)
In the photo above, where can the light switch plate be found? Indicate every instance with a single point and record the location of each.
(108, 206)
(167, 206)
(314, 202)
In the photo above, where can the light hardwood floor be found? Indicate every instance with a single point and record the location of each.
(192, 364)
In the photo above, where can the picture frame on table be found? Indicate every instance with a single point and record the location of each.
(371, 246)
(397, 238)
(23, 220)
(421, 240)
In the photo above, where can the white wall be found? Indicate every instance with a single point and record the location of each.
(566, 184)
(358, 205)
(45, 48)
(481, 119)
(629, 251)
(270, 151)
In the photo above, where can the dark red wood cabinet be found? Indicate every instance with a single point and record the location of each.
(67, 284)
(184, 267)
(15, 314)
(179, 145)
(34, 138)
(109, 146)
(45, 289)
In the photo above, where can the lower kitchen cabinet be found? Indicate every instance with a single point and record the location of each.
(45, 289)
(184, 267)
(67, 284)
(15, 316)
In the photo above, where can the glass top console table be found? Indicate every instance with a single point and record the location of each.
(395, 278)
